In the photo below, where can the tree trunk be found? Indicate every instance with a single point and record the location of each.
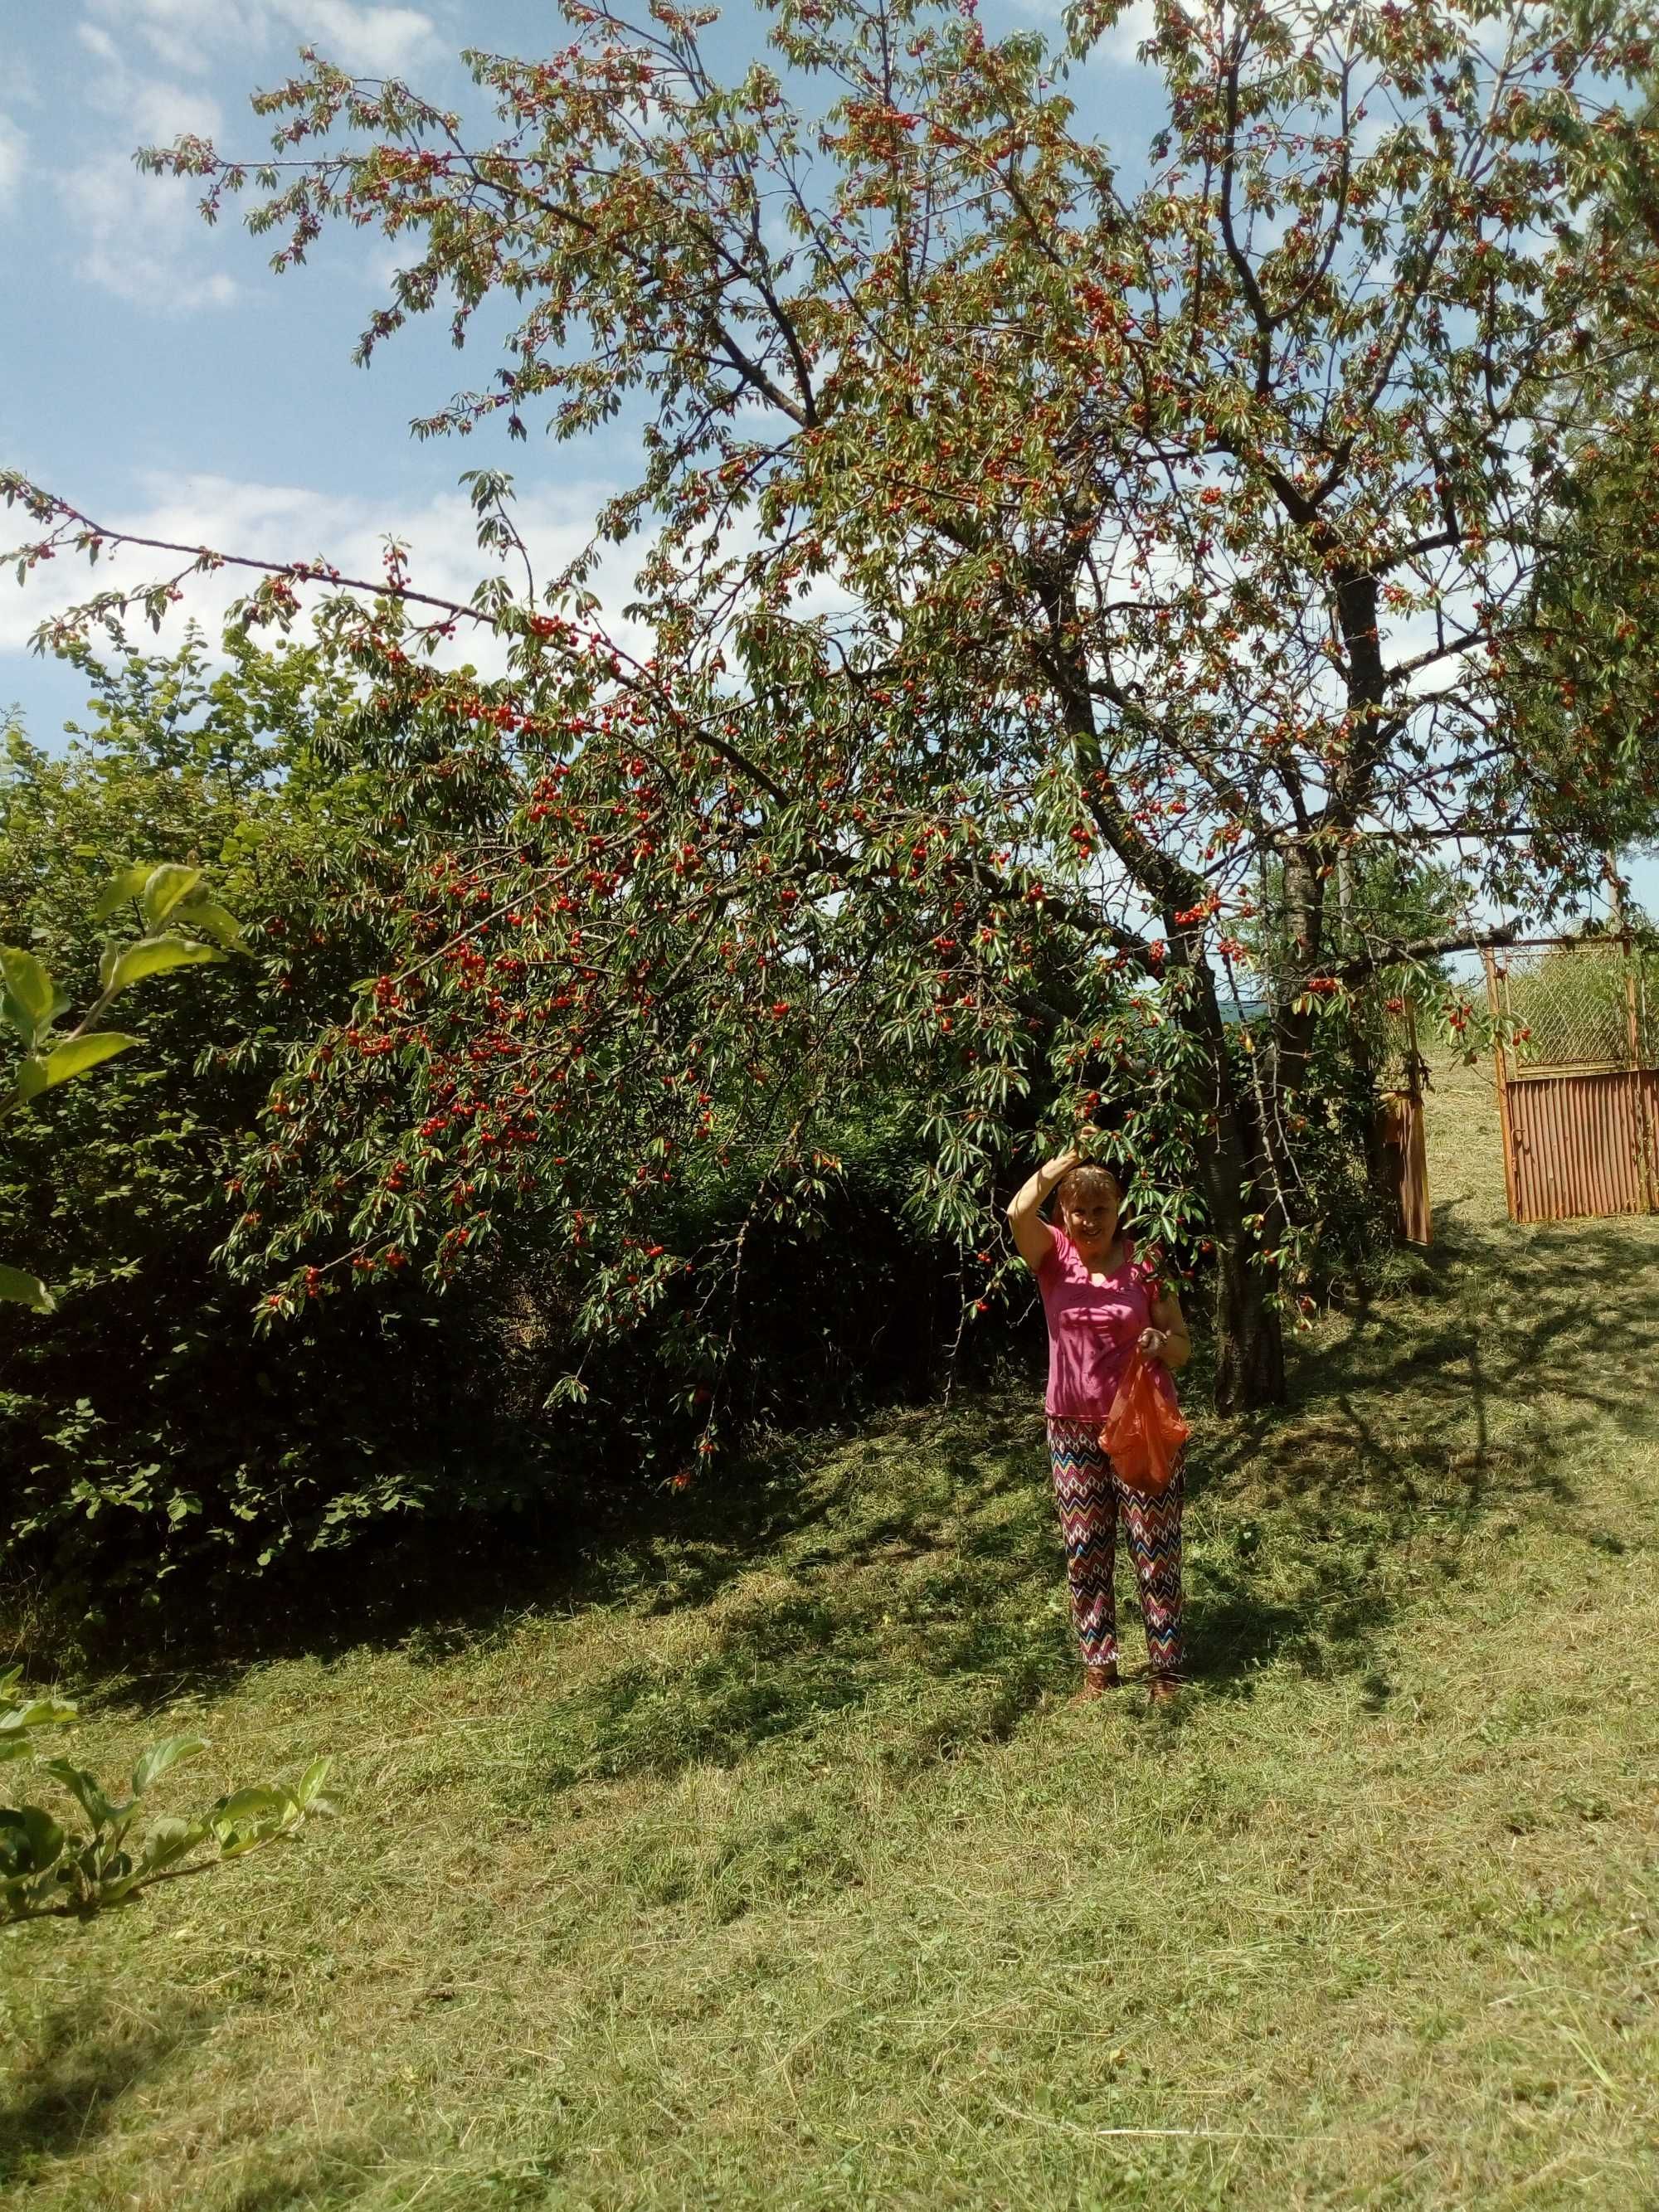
(1250, 1342)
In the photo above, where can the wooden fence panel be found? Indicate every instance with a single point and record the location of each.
(1582, 1144)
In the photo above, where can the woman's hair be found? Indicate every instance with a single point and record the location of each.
(1090, 1181)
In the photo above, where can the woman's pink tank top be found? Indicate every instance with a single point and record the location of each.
(1093, 1328)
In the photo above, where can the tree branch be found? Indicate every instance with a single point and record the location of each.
(1423, 948)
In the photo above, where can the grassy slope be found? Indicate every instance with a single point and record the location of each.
(776, 1871)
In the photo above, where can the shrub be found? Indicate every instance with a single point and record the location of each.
(153, 1431)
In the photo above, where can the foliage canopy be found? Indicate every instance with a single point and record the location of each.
(1040, 549)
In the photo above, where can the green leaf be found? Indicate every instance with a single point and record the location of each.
(31, 1841)
(23, 1290)
(252, 1816)
(305, 1790)
(83, 1788)
(152, 956)
(214, 921)
(161, 1756)
(127, 882)
(29, 991)
(38, 1713)
(168, 1841)
(64, 1060)
(260, 1801)
(164, 889)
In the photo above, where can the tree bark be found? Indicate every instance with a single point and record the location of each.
(1233, 1162)
(1250, 1343)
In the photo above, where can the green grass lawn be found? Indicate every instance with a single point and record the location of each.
(771, 1868)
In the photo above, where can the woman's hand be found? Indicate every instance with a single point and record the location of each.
(1074, 1154)
(1033, 1238)
(1168, 1339)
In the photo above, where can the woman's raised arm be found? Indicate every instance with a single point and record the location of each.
(1032, 1234)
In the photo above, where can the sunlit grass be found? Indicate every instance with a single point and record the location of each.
(768, 1866)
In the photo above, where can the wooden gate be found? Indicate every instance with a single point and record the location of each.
(1578, 1058)
(1404, 1084)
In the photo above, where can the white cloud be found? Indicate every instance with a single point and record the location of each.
(14, 148)
(136, 238)
(140, 238)
(288, 523)
(360, 34)
(150, 107)
(365, 37)
(180, 33)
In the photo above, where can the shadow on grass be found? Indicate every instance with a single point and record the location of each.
(280, 2179)
(437, 1590)
(85, 2060)
(1313, 1528)
(911, 1571)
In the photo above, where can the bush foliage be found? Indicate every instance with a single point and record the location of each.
(154, 1426)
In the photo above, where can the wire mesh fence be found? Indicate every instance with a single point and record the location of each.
(1576, 1004)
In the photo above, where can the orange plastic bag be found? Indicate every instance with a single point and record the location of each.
(1143, 1431)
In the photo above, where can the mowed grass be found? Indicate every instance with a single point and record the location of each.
(769, 1866)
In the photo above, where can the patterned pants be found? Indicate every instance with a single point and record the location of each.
(1089, 1498)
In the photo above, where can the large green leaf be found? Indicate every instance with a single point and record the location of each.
(152, 956)
(83, 1788)
(29, 991)
(165, 887)
(125, 884)
(73, 1058)
(37, 1712)
(251, 1817)
(31, 1841)
(161, 1756)
(23, 1290)
(306, 1788)
(168, 1841)
(213, 920)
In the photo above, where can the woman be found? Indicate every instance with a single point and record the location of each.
(1100, 1304)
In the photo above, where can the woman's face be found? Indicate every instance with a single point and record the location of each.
(1090, 1222)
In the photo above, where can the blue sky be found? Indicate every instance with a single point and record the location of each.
(159, 376)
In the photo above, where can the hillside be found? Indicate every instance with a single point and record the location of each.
(770, 1868)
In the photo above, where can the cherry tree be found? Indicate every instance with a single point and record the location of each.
(1044, 545)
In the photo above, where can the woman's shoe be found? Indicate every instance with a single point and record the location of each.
(1097, 1680)
(1163, 1689)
